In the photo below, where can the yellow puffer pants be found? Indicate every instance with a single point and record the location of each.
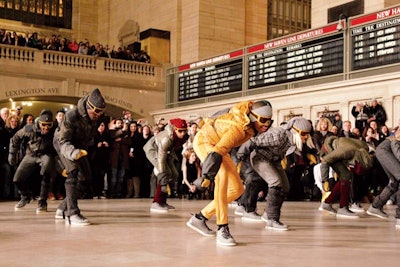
(228, 185)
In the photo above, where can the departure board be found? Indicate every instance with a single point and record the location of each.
(209, 77)
(310, 54)
(375, 39)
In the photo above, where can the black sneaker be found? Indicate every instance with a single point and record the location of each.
(42, 206)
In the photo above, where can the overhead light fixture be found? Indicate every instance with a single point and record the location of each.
(342, 18)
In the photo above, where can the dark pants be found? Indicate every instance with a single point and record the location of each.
(28, 166)
(278, 183)
(78, 180)
(6, 180)
(253, 185)
(391, 165)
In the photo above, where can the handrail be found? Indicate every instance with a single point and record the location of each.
(67, 59)
(12, 52)
(57, 59)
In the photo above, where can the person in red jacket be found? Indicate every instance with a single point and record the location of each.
(161, 152)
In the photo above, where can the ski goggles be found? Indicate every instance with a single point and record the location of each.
(262, 120)
(94, 108)
(46, 124)
(300, 132)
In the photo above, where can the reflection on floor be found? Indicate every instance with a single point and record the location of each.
(125, 233)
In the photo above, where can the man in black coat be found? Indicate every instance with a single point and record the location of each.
(72, 141)
(39, 155)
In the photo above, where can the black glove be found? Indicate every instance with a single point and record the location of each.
(162, 179)
(211, 165)
(12, 159)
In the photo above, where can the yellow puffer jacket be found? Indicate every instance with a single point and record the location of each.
(229, 130)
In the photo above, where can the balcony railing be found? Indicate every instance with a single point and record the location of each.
(79, 64)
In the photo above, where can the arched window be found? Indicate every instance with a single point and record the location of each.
(53, 13)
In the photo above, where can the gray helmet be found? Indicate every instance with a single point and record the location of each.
(261, 108)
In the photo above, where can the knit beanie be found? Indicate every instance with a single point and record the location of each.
(261, 108)
(96, 100)
(180, 124)
(301, 124)
(46, 116)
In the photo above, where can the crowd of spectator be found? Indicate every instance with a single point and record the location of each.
(122, 169)
(57, 43)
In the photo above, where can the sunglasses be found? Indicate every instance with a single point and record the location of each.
(300, 132)
(263, 120)
(44, 124)
(94, 108)
(181, 130)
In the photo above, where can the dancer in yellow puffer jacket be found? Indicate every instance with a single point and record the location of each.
(212, 145)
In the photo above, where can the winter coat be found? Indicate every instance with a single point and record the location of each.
(229, 130)
(273, 144)
(120, 149)
(347, 149)
(37, 144)
(159, 149)
(76, 131)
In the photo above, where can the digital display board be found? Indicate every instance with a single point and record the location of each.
(375, 39)
(364, 42)
(209, 77)
(310, 54)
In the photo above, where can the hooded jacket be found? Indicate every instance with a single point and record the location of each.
(347, 149)
(230, 129)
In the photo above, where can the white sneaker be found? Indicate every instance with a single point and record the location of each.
(346, 213)
(264, 217)
(327, 207)
(251, 216)
(276, 225)
(156, 207)
(239, 210)
(224, 237)
(356, 207)
(200, 226)
(233, 204)
(77, 220)
(168, 206)
(60, 215)
(377, 212)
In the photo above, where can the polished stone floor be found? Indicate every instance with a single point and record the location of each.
(125, 233)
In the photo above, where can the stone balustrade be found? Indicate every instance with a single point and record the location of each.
(59, 61)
